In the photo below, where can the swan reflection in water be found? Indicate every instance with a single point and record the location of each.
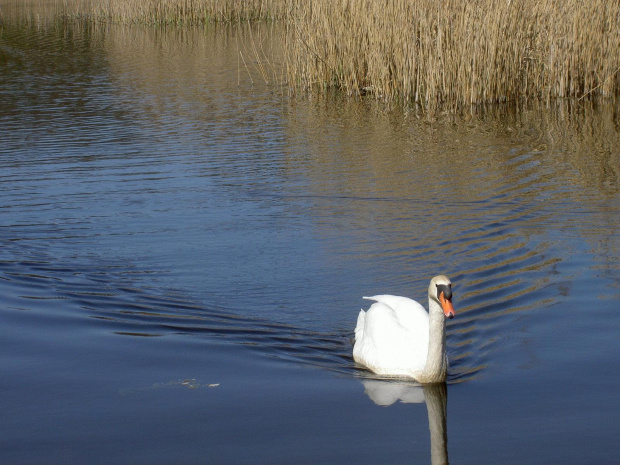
(386, 393)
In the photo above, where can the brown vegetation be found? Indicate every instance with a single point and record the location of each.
(458, 52)
(436, 54)
(177, 11)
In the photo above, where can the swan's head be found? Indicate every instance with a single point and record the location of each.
(440, 290)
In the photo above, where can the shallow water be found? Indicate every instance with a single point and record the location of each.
(185, 248)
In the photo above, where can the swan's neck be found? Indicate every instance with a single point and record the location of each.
(436, 366)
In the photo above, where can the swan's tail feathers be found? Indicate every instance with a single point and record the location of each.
(359, 327)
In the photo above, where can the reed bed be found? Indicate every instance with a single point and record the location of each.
(434, 54)
(454, 53)
(178, 12)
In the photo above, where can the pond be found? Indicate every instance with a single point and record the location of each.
(184, 248)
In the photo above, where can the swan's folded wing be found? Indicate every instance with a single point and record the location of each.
(409, 312)
(389, 347)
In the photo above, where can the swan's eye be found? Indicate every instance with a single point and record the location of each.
(446, 289)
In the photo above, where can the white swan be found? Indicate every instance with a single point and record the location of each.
(397, 337)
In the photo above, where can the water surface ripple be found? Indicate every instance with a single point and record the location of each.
(277, 213)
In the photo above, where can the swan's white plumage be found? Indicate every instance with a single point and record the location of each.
(392, 337)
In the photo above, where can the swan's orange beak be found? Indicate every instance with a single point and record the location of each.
(446, 304)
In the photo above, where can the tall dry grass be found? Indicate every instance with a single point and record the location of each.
(176, 11)
(433, 53)
(453, 53)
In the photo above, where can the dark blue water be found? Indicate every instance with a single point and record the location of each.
(184, 248)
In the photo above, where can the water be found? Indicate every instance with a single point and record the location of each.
(184, 248)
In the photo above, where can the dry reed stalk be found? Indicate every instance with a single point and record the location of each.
(455, 53)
